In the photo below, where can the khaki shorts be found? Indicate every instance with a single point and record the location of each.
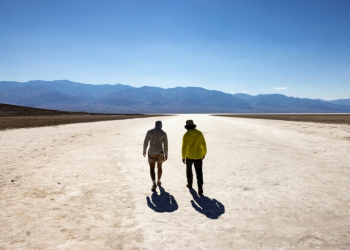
(156, 158)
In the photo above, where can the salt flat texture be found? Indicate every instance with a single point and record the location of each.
(267, 185)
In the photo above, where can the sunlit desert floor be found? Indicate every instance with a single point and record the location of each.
(267, 185)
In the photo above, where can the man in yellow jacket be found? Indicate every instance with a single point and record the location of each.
(194, 150)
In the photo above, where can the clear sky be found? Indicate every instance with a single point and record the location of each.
(298, 48)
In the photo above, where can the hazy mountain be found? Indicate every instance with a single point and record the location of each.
(52, 97)
(67, 87)
(73, 96)
(181, 97)
(14, 95)
(341, 101)
(289, 104)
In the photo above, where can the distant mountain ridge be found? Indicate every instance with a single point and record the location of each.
(66, 95)
(341, 101)
(66, 87)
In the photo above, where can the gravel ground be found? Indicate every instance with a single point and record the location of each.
(14, 117)
(319, 118)
(52, 120)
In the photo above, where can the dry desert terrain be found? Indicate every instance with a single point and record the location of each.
(14, 117)
(268, 184)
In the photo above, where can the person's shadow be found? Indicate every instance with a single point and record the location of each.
(164, 202)
(204, 205)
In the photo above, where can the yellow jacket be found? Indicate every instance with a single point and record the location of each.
(193, 145)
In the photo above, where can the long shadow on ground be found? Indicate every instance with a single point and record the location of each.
(164, 202)
(204, 205)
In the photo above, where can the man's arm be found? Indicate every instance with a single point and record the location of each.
(145, 144)
(184, 148)
(204, 145)
(165, 141)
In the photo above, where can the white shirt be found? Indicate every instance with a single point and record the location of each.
(157, 137)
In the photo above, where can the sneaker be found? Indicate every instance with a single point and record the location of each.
(159, 183)
(200, 191)
(154, 187)
(189, 186)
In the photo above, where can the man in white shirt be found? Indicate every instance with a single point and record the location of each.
(156, 152)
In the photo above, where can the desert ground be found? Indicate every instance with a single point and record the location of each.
(14, 117)
(268, 184)
(319, 118)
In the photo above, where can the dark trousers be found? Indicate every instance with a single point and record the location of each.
(198, 168)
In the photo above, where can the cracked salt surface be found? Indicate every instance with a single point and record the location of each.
(264, 187)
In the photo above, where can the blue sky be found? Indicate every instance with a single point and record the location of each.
(294, 47)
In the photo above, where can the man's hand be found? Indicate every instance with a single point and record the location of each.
(144, 154)
(165, 158)
(184, 161)
(203, 157)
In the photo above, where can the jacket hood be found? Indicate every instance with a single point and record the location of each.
(193, 131)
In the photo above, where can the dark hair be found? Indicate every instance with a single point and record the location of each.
(188, 127)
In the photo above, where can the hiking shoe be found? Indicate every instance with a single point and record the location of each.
(154, 187)
(159, 183)
(189, 186)
(200, 191)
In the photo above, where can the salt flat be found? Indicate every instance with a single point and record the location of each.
(267, 185)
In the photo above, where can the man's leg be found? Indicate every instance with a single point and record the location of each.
(198, 166)
(153, 175)
(159, 166)
(189, 173)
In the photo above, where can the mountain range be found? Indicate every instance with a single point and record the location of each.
(66, 95)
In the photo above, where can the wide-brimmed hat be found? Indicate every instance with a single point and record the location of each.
(190, 123)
